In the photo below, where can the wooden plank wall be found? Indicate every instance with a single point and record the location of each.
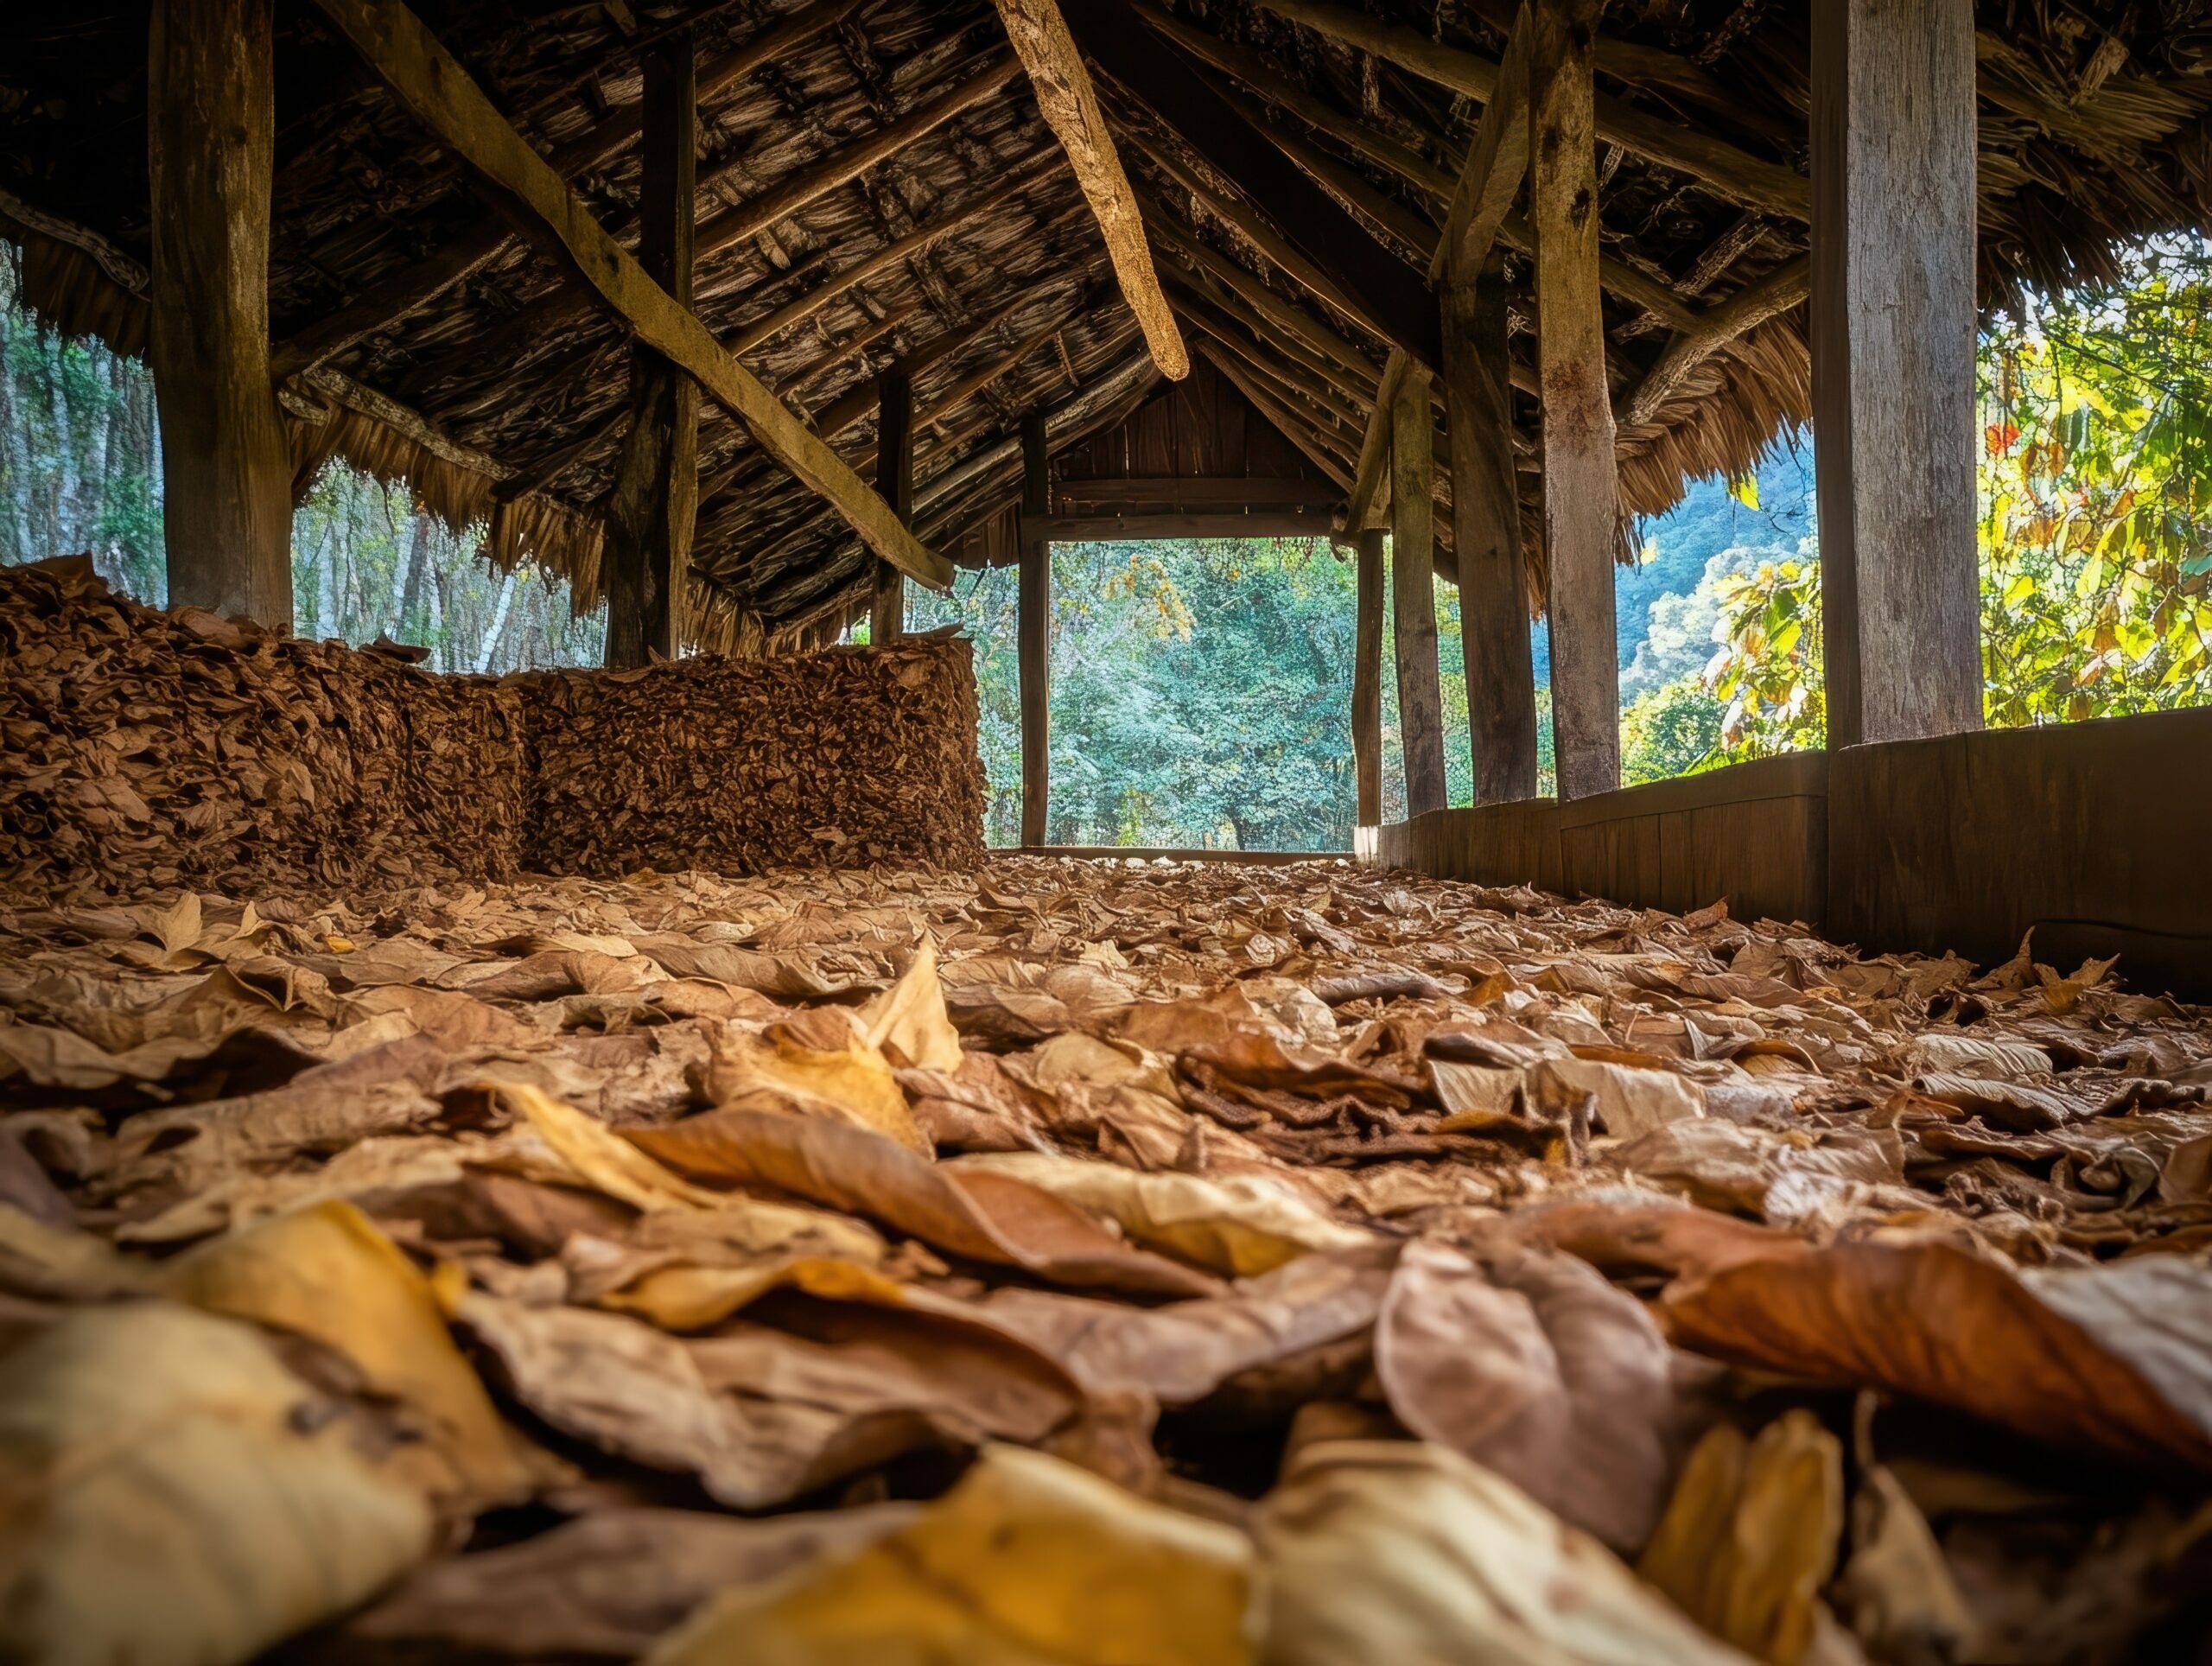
(2090, 834)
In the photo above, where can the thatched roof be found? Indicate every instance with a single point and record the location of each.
(505, 395)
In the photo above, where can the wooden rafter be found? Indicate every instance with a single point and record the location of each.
(1770, 297)
(1491, 178)
(1727, 169)
(1070, 107)
(432, 85)
(1381, 291)
(412, 288)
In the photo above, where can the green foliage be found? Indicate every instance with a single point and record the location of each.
(1769, 671)
(2096, 481)
(1672, 730)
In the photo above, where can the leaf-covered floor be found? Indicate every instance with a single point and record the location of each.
(1087, 1263)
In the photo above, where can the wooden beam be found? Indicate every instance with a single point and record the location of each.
(1780, 291)
(415, 287)
(1490, 177)
(1384, 294)
(1368, 485)
(1181, 492)
(227, 508)
(894, 478)
(1367, 684)
(438, 91)
(1225, 314)
(1413, 592)
(1393, 157)
(1167, 524)
(655, 501)
(1321, 391)
(1486, 541)
(1893, 365)
(1581, 484)
(1033, 633)
(1725, 169)
(1070, 107)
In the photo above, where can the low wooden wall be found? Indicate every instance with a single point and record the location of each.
(2092, 834)
(1756, 833)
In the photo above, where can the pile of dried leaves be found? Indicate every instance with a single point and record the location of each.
(1087, 1263)
(142, 750)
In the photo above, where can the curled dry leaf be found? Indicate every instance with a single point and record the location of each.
(1536, 1368)
(602, 1159)
(170, 1494)
(908, 1021)
(2115, 1357)
(1027, 1562)
(1240, 1225)
(978, 1213)
(760, 1415)
(1398, 1551)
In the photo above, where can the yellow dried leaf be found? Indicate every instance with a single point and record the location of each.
(326, 1273)
(1028, 1561)
(910, 1017)
(1749, 1537)
(171, 1496)
(695, 1298)
(1238, 1225)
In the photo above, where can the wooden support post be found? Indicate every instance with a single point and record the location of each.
(1893, 365)
(1367, 683)
(1581, 488)
(1033, 627)
(655, 500)
(1486, 539)
(894, 479)
(1413, 590)
(226, 511)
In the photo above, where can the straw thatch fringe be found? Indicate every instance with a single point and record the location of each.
(76, 282)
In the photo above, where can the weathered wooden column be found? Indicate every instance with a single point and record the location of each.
(655, 500)
(226, 505)
(894, 479)
(1581, 488)
(1893, 365)
(1367, 684)
(1033, 628)
(1486, 538)
(1413, 590)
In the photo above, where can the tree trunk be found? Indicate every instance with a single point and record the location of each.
(490, 642)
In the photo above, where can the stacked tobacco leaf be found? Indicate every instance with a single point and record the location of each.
(142, 750)
(1087, 1263)
(841, 758)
